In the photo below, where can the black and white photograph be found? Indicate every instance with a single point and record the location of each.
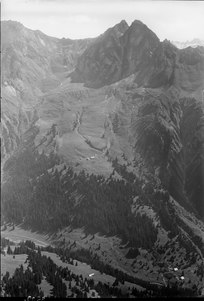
(102, 149)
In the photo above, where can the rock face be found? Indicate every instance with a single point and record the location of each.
(166, 141)
(101, 61)
(118, 53)
(32, 64)
(138, 44)
(138, 51)
(123, 159)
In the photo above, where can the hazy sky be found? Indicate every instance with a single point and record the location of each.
(174, 20)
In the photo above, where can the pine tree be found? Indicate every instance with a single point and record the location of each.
(9, 251)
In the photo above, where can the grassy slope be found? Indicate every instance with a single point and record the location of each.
(84, 124)
(80, 117)
(85, 270)
(20, 234)
(112, 251)
(9, 264)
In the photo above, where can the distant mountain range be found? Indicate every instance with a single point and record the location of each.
(193, 43)
(106, 135)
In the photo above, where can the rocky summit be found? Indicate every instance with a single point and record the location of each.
(103, 151)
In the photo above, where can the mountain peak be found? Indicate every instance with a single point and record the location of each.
(137, 22)
(119, 29)
(123, 24)
(138, 26)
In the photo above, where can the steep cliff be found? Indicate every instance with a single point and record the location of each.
(32, 64)
(138, 51)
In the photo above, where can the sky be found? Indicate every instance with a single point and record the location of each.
(172, 20)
